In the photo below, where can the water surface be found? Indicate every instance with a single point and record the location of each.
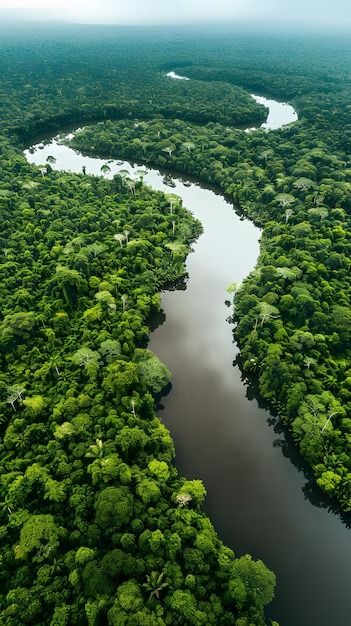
(279, 113)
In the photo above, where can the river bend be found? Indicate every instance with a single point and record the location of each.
(256, 496)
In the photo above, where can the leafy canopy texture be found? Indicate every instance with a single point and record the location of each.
(97, 526)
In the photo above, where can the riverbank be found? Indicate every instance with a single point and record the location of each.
(221, 436)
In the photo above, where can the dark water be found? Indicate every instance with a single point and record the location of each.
(257, 498)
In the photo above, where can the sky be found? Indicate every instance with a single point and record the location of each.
(324, 12)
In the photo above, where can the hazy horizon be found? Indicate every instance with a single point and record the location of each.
(314, 13)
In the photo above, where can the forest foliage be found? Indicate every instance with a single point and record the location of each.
(293, 312)
(97, 526)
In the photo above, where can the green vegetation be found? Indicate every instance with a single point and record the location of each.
(296, 184)
(97, 526)
(293, 313)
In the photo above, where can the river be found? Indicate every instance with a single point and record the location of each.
(259, 501)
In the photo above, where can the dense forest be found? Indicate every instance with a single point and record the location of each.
(97, 525)
(293, 312)
(92, 501)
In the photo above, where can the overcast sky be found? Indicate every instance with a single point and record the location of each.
(333, 12)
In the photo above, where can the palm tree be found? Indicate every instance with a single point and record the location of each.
(23, 441)
(5, 508)
(56, 568)
(50, 159)
(155, 584)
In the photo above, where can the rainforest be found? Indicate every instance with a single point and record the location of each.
(128, 498)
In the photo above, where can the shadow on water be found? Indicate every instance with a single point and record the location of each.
(156, 319)
(289, 450)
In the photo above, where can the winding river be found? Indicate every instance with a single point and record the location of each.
(259, 501)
